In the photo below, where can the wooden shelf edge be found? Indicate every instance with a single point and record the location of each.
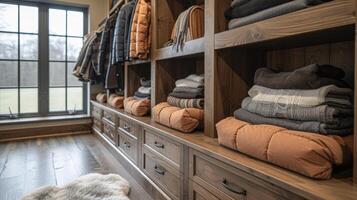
(330, 15)
(138, 62)
(192, 47)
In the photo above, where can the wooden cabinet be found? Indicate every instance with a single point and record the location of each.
(129, 127)
(97, 112)
(110, 117)
(199, 193)
(110, 132)
(129, 146)
(97, 124)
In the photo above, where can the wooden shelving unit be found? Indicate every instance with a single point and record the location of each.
(190, 48)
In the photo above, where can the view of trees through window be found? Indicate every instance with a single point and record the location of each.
(20, 70)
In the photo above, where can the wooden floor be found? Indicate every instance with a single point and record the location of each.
(27, 165)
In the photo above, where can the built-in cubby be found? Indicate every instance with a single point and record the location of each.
(133, 74)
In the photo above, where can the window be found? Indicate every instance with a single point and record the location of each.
(39, 45)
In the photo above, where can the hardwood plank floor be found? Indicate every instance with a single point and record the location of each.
(29, 164)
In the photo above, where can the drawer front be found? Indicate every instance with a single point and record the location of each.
(97, 112)
(109, 116)
(98, 124)
(110, 132)
(230, 182)
(197, 192)
(164, 146)
(129, 146)
(162, 174)
(129, 127)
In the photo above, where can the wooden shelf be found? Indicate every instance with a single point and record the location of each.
(192, 47)
(138, 62)
(332, 16)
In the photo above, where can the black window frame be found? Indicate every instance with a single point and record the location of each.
(43, 84)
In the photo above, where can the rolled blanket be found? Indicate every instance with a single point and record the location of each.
(144, 90)
(141, 95)
(344, 128)
(145, 83)
(197, 91)
(196, 78)
(327, 95)
(188, 83)
(251, 7)
(137, 107)
(309, 77)
(323, 113)
(272, 12)
(101, 97)
(116, 101)
(283, 147)
(238, 2)
(185, 103)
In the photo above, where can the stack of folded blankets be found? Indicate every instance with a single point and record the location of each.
(243, 12)
(116, 100)
(300, 120)
(183, 110)
(139, 105)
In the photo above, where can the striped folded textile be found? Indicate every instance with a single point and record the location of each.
(185, 103)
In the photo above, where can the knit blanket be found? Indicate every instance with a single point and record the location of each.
(197, 91)
(140, 95)
(145, 90)
(345, 127)
(185, 103)
(322, 113)
(327, 95)
(196, 78)
(309, 77)
(188, 83)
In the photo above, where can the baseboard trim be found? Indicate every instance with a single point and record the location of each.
(45, 136)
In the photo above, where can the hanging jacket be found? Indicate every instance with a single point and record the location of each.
(121, 32)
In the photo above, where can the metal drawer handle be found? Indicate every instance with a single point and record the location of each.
(126, 127)
(127, 144)
(233, 188)
(159, 170)
(159, 145)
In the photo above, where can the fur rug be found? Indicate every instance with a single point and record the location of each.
(88, 187)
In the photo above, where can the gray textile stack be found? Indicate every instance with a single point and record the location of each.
(305, 100)
(144, 91)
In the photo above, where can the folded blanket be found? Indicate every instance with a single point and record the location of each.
(182, 119)
(183, 95)
(145, 90)
(197, 78)
(345, 127)
(309, 77)
(116, 101)
(188, 83)
(283, 147)
(251, 7)
(141, 95)
(238, 2)
(273, 12)
(185, 103)
(323, 113)
(327, 95)
(137, 107)
(197, 91)
(145, 83)
(101, 97)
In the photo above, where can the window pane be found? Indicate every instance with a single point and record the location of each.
(57, 99)
(57, 74)
(57, 48)
(75, 98)
(8, 17)
(8, 74)
(57, 21)
(28, 74)
(72, 80)
(8, 46)
(73, 48)
(28, 47)
(75, 23)
(28, 100)
(8, 98)
(28, 19)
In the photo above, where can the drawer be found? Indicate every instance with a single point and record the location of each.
(164, 146)
(97, 112)
(110, 132)
(129, 127)
(129, 146)
(98, 124)
(109, 116)
(197, 192)
(162, 173)
(229, 182)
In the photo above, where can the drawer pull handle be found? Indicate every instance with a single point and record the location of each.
(126, 127)
(233, 189)
(159, 170)
(159, 145)
(127, 145)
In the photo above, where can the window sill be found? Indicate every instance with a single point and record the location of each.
(42, 119)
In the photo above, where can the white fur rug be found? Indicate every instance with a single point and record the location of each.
(88, 187)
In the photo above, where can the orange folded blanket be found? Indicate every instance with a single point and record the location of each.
(101, 97)
(116, 101)
(137, 107)
(182, 119)
(309, 154)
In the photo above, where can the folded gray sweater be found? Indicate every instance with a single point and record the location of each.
(344, 128)
(327, 95)
(273, 12)
(309, 77)
(324, 113)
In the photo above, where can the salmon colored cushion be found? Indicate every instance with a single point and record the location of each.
(182, 119)
(137, 107)
(116, 101)
(101, 97)
(309, 154)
